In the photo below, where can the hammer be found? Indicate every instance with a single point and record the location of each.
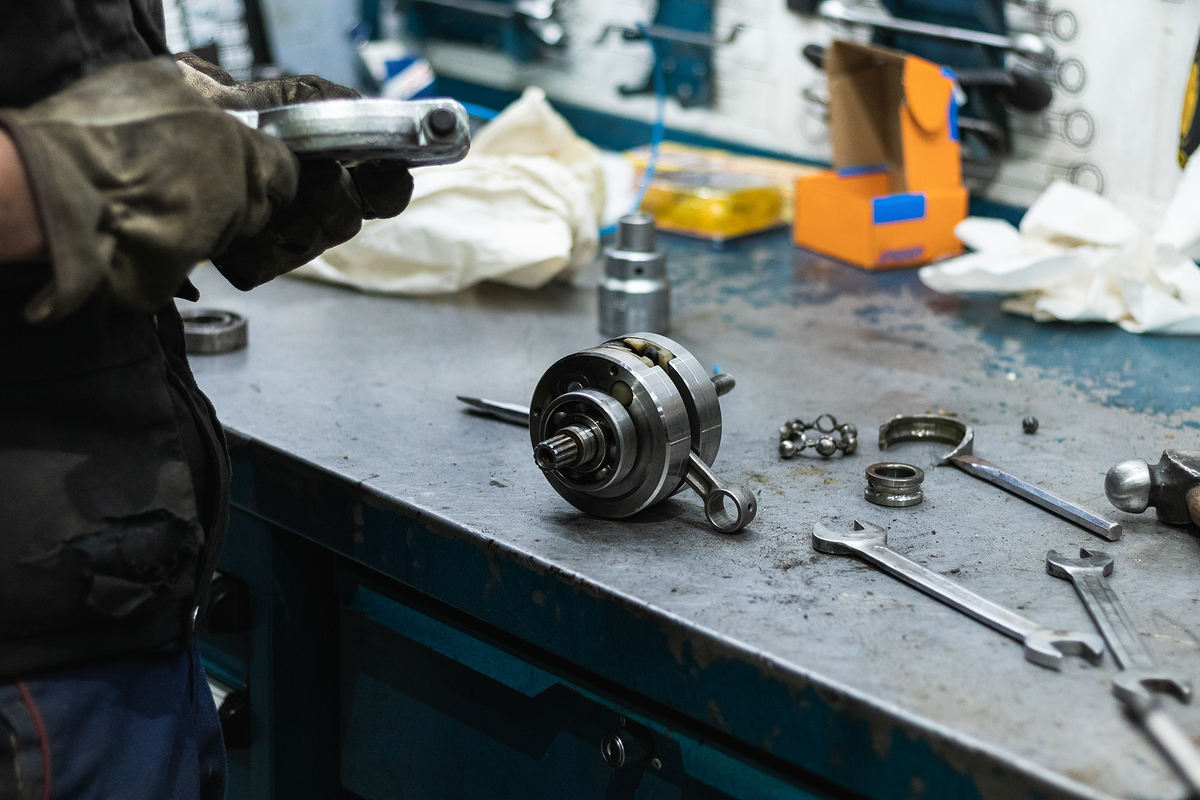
(1172, 486)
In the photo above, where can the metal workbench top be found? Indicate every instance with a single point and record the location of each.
(363, 387)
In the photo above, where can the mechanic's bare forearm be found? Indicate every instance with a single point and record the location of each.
(21, 235)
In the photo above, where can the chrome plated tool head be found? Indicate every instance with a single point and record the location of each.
(1140, 672)
(1043, 646)
(1171, 487)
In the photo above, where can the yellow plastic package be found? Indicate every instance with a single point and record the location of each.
(717, 195)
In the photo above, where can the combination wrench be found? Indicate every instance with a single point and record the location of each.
(1140, 677)
(1043, 646)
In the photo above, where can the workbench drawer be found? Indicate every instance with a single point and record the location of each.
(432, 711)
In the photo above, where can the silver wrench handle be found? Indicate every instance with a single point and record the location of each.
(985, 470)
(951, 593)
(1175, 744)
(716, 493)
(1106, 610)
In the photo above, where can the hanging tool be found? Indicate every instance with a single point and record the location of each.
(1043, 646)
(1019, 88)
(1140, 678)
(937, 428)
(1028, 45)
(681, 34)
(1172, 487)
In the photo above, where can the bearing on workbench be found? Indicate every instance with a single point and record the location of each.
(894, 484)
(796, 435)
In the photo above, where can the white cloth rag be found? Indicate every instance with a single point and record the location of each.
(1076, 257)
(520, 209)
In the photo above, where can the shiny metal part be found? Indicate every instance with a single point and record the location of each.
(729, 508)
(1043, 646)
(937, 428)
(1089, 574)
(928, 428)
(421, 133)
(796, 435)
(1028, 45)
(894, 485)
(1172, 741)
(1140, 678)
(622, 426)
(211, 331)
(1172, 487)
(626, 747)
(507, 412)
(636, 292)
(1029, 425)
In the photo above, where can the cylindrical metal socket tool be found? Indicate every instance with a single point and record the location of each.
(636, 292)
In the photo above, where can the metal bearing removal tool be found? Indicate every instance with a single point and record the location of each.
(619, 427)
(1043, 646)
(937, 428)
(1140, 675)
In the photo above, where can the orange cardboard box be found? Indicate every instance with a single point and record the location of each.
(895, 193)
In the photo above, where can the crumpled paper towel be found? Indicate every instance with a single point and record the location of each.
(1076, 257)
(520, 209)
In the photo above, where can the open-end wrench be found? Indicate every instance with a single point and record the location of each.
(1089, 574)
(1146, 709)
(1140, 675)
(1043, 646)
(937, 428)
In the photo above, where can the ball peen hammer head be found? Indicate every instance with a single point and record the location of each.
(1172, 487)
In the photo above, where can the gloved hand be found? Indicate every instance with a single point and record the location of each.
(136, 179)
(332, 200)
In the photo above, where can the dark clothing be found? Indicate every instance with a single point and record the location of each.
(139, 728)
(46, 45)
(113, 473)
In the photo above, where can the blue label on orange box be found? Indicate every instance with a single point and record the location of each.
(898, 208)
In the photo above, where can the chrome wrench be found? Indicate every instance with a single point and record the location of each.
(1140, 675)
(1043, 646)
(936, 428)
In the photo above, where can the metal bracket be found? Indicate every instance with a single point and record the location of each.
(670, 35)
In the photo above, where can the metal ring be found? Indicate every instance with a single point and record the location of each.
(720, 518)
(894, 484)
(211, 331)
(832, 423)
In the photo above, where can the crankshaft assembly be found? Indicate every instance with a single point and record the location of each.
(619, 427)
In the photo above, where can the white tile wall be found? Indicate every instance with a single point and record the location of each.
(1135, 54)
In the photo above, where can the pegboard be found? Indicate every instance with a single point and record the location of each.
(1113, 124)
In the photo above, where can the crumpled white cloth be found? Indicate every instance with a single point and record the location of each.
(1076, 257)
(520, 209)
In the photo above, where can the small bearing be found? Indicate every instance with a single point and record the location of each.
(211, 331)
(893, 484)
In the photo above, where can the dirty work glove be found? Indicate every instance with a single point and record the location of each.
(332, 200)
(137, 178)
